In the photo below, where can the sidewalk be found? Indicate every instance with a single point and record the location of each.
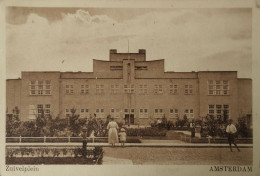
(153, 143)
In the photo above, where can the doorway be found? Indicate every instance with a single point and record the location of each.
(129, 120)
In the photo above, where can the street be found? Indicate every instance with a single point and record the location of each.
(177, 156)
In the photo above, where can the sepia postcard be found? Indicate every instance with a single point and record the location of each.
(129, 87)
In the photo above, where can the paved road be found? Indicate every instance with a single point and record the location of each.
(177, 156)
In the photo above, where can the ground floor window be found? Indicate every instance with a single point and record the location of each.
(100, 113)
(84, 113)
(38, 109)
(174, 113)
(158, 113)
(189, 113)
(219, 110)
(115, 113)
(143, 113)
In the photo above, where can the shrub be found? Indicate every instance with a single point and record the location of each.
(243, 129)
(149, 131)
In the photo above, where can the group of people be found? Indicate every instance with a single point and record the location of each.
(113, 134)
(230, 130)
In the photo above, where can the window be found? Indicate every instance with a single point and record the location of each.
(115, 113)
(39, 109)
(173, 89)
(158, 89)
(140, 67)
(158, 113)
(114, 88)
(69, 89)
(116, 67)
(132, 111)
(219, 110)
(218, 87)
(84, 89)
(143, 89)
(68, 112)
(100, 89)
(100, 113)
(40, 87)
(174, 113)
(129, 88)
(189, 113)
(143, 113)
(84, 113)
(188, 89)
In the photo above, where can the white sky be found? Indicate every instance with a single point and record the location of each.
(188, 39)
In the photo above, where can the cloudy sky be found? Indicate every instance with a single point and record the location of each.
(39, 39)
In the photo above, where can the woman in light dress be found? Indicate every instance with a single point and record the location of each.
(112, 132)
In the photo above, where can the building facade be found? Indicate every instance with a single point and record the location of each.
(132, 90)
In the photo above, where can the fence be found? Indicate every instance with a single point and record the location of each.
(189, 139)
(46, 139)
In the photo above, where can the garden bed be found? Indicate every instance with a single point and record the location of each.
(49, 160)
(54, 155)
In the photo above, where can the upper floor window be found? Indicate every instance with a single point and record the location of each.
(140, 67)
(114, 88)
(129, 88)
(173, 89)
(69, 89)
(158, 89)
(116, 67)
(143, 89)
(40, 87)
(218, 87)
(100, 89)
(84, 89)
(188, 89)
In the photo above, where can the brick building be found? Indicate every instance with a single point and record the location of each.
(132, 90)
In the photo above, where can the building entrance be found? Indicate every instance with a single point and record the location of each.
(129, 120)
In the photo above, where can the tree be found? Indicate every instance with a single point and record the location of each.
(12, 123)
(74, 123)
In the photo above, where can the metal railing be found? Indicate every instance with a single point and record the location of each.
(46, 139)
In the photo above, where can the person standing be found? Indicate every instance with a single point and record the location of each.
(84, 141)
(192, 128)
(122, 135)
(231, 131)
(112, 132)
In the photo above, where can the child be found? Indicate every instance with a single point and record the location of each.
(122, 136)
